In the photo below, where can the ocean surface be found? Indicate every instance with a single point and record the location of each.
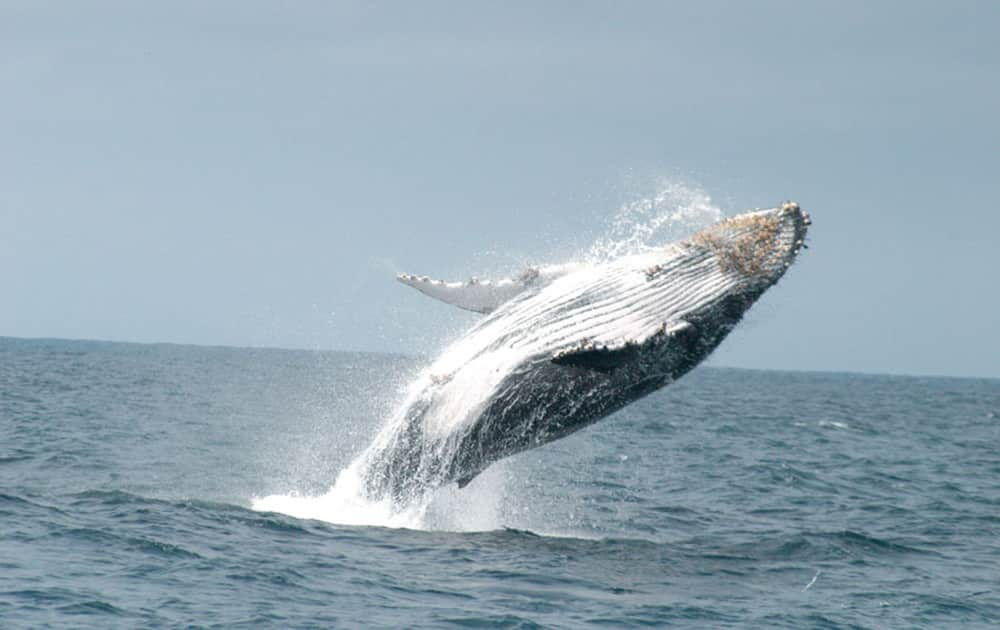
(136, 483)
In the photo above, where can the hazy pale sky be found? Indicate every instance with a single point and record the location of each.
(255, 173)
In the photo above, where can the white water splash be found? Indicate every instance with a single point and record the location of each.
(670, 212)
(673, 210)
(478, 507)
(344, 504)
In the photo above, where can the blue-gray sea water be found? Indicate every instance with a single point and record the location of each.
(734, 498)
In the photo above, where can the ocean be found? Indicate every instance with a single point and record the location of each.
(149, 486)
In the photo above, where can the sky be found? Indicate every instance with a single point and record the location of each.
(255, 173)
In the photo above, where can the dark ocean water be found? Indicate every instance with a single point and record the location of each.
(731, 499)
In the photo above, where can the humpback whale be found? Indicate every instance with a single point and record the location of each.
(563, 346)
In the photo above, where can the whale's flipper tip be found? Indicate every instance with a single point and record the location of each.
(481, 296)
(474, 295)
(485, 296)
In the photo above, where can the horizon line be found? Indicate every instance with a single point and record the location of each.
(404, 355)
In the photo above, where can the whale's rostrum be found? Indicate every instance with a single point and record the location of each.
(561, 347)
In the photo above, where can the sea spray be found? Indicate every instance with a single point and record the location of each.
(447, 509)
(667, 213)
(345, 504)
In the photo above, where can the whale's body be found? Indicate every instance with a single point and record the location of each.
(562, 347)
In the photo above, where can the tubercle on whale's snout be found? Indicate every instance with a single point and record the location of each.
(800, 226)
(792, 208)
(757, 245)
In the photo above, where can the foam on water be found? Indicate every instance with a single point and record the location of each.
(476, 508)
(670, 212)
(344, 504)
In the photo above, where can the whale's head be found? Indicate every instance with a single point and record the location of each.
(726, 267)
(756, 247)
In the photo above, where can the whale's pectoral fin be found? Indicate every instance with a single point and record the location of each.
(481, 296)
(607, 357)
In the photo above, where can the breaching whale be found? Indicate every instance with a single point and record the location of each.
(564, 346)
